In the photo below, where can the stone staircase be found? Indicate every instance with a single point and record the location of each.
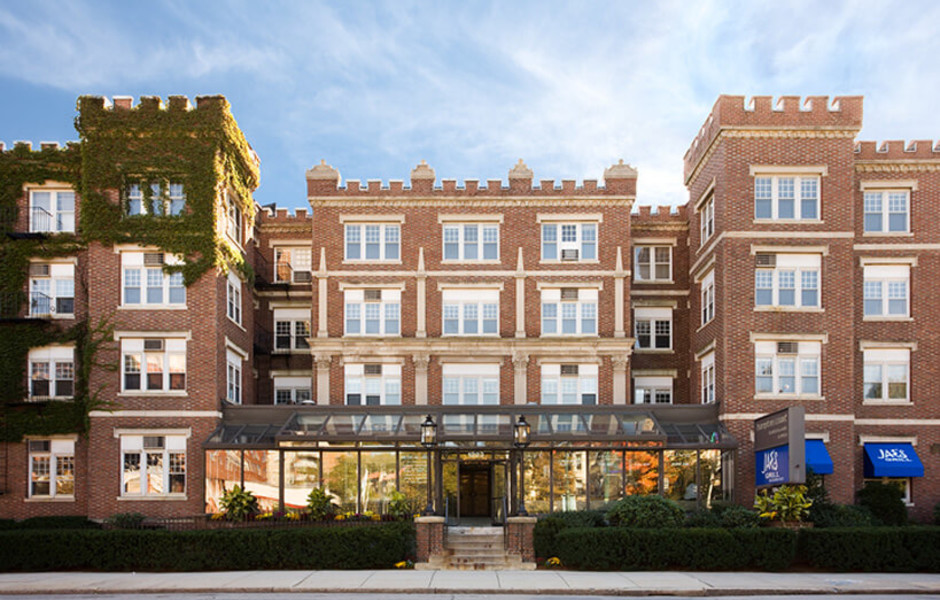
(476, 548)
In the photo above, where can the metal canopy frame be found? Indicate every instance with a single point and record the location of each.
(668, 426)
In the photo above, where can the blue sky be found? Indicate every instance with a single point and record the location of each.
(470, 86)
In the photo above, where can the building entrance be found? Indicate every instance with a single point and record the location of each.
(476, 488)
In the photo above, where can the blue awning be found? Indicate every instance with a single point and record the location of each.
(892, 460)
(817, 458)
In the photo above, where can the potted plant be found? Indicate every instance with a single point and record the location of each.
(238, 504)
(788, 506)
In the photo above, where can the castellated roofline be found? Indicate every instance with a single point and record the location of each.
(324, 180)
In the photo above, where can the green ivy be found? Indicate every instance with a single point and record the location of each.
(202, 148)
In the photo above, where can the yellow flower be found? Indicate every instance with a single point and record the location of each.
(376, 517)
(401, 565)
(553, 562)
(340, 518)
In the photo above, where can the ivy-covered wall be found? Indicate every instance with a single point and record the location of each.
(201, 148)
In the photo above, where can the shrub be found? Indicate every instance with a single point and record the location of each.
(238, 504)
(702, 519)
(544, 534)
(367, 547)
(736, 516)
(7, 524)
(398, 505)
(885, 501)
(320, 504)
(872, 549)
(936, 514)
(582, 518)
(625, 549)
(65, 522)
(130, 520)
(646, 512)
(842, 515)
(788, 503)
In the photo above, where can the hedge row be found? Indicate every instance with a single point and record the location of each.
(374, 547)
(629, 549)
(885, 549)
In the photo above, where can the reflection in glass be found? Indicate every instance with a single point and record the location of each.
(301, 475)
(223, 472)
(709, 462)
(537, 481)
(449, 480)
(377, 480)
(570, 480)
(605, 478)
(261, 477)
(412, 478)
(679, 476)
(341, 478)
(641, 473)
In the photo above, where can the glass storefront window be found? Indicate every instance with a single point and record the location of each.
(413, 478)
(605, 478)
(377, 474)
(341, 478)
(537, 481)
(641, 473)
(223, 472)
(679, 481)
(301, 475)
(709, 462)
(569, 470)
(261, 477)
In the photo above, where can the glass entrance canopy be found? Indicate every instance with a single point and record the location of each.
(673, 426)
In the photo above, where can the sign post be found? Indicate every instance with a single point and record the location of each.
(780, 447)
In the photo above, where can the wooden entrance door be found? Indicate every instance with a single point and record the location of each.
(474, 490)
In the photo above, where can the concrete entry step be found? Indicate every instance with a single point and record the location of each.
(476, 548)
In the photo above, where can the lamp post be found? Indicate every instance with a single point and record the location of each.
(520, 439)
(429, 440)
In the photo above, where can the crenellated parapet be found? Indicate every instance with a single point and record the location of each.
(659, 217)
(897, 150)
(324, 180)
(817, 113)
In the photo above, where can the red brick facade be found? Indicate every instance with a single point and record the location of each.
(811, 140)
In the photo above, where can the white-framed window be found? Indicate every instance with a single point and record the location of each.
(569, 311)
(292, 264)
(51, 211)
(470, 311)
(373, 241)
(652, 390)
(708, 297)
(787, 368)
(569, 384)
(233, 377)
(153, 465)
(470, 384)
(155, 198)
(372, 384)
(153, 364)
(887, 211)
(292, 390)
(886, 291)
(471, 242)
(652, 263)
(51, 468)
(653, 328)
(786, 197)
(787, 280)
(708, 378)
(372, 312)
(51, 289)
(707, 219)
(903, 483)
(886, 375)
(51, 372)
(569, 242)
(234, 223)
(145, 282)
(291, 329)
(233, 298)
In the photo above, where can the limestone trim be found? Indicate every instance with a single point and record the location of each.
(361, 201)
(821, 170)
(385, 285)
(895, 439)
(762, 248)
(877, 345)
(707, 349)
(897, 247)
(372, 218)
(887, 184)
(887, 260)
(289, 243)
(896, 166)
(472, 285)
(542, 285)
(822, 338)
(159, 414)
(569, 217)
(673, 373)
(469, 218)
(120, 334)
(655, 241)
(658, 302)
(186, 431)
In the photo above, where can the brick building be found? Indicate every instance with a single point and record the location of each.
(635, 347)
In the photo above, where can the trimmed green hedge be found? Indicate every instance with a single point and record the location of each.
(372, 547)
(880, 549)
(627, 549)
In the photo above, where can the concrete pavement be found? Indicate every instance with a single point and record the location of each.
(641, 583)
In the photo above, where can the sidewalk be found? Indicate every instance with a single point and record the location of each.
(664, 583)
